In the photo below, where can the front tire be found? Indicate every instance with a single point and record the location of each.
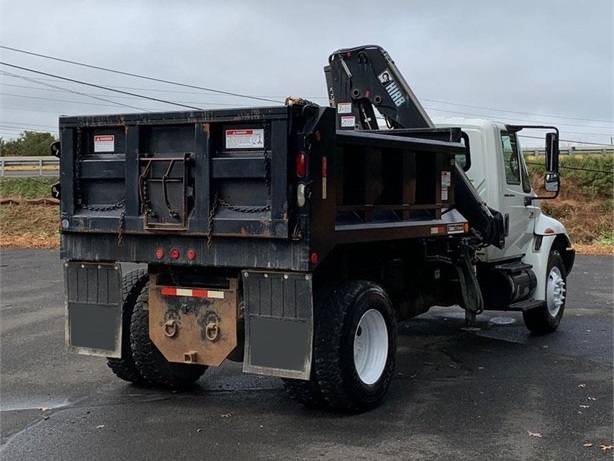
(153, 366)
(355, 346)
(545, 319)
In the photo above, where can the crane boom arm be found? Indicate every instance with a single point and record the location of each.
(364, 79)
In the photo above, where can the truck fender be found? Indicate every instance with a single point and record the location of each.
(549, 235)
(545, 225)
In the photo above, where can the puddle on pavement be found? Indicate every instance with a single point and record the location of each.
(502, 320)
(42, 404)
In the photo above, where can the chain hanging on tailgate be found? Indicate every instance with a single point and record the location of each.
(99, 208)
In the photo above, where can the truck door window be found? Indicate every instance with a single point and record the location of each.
(511, 160)
(526, 181)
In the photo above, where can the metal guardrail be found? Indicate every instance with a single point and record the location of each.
(29, 166)
(571, 150)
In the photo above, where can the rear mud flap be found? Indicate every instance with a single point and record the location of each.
(93, 308)
(278, 324)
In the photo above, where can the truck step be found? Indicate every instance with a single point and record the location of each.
(513, 267)
(526, 305)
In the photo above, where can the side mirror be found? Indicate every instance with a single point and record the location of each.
(551, 182)
(464, 160)
(552, 152)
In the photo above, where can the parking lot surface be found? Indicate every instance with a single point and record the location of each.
(495, 393)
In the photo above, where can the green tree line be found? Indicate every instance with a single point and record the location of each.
(28, 143)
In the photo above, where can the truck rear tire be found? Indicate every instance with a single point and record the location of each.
(153, 366)
(307, 393)
(124, 367)
(546, 319)
(355, 346)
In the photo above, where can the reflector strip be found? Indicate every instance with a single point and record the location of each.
(191, 293)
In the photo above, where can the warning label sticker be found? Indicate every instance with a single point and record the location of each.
(456, 228)
(104, 143)
(245, 139)
(446, 178)
(349, 121)
(344, 108)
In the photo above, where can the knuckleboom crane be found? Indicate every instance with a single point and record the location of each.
(364, 79)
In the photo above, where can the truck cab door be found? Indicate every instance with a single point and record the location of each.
(519, 217)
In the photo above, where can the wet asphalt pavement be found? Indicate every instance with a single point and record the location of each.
(494, 394)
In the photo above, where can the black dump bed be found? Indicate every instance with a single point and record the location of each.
(257, 188)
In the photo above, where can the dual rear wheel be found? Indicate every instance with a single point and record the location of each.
(353, 357)
(142, 362)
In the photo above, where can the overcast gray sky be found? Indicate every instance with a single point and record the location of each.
(519, 61)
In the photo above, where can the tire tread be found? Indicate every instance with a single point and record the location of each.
(154, 368)
(124, 367)
(538, 320)
(331, 372)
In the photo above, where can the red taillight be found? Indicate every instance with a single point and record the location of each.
(175, 253)
(301, 165)
(191, 254)
(159, 253)
(314, 258)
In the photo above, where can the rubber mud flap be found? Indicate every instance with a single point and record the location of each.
(94, 308)
(278, 323)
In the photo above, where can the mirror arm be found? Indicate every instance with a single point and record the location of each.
(529, 200)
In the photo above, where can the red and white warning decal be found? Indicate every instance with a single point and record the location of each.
(104, 143)
(344, 107)
(348, 121)
(191, 293)
(245, 139)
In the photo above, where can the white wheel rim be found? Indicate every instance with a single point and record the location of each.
(370, 346)
(555, 294)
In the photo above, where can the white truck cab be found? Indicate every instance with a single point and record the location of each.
(499, 174)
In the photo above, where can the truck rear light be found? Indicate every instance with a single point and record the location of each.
(314, 258)
(191, 254)
(159, 253)
(301, 165)
(175, 253)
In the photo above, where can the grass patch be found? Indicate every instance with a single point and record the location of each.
(605, 239)
(26, 187)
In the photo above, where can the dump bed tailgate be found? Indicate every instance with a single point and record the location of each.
(196, 173)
